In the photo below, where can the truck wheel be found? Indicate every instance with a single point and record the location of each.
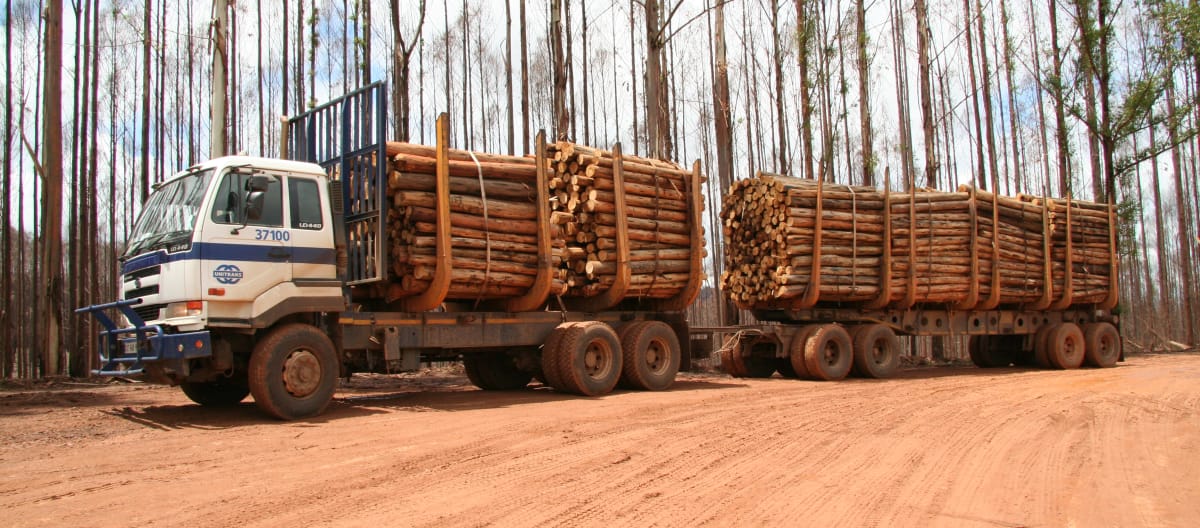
(550, 353)
(223, 392)
(494, 371)
(293, 372)
(1040, 342)
(796, 351)
(876, 351)
(827, 354)
(589, 359)
(1102, 345)
(649, 355)
(1065, 346)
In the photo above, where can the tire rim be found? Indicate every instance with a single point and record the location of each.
(301, 373)
(597, 359)
(879, 354)
(656, 356)
(831, 354)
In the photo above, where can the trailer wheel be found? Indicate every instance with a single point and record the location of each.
(1102, 345)
(494, 371)
(650, 355)
(550, 353)
(1041, 355)
(293, 372)
(827, 354)
(1065, 346)
(876, 351)
(223, 392)
(796, 351)
(589, 359)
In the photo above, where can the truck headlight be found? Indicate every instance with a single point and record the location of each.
(185, 309)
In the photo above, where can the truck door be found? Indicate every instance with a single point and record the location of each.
(241, 259)
(313, 257)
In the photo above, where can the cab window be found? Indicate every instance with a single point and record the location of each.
(304, 201)
(230, 204)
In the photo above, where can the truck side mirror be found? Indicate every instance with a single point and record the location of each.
(254, 204)
(259, 183)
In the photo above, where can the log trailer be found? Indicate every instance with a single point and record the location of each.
(271, 277)
(834, 273)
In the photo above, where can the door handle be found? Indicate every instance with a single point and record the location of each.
(279, 253)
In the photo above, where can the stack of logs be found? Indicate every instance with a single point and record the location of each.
(930, 247)
(657, 215)
(494, 239)
(494, 223)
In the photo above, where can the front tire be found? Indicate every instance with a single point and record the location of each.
(223, 392)
(293, 372)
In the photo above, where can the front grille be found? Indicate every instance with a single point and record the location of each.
(142, 292)
(148, 312)
(142, 273)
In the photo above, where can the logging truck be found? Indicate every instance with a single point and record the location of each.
(276, 277)
(574, 265)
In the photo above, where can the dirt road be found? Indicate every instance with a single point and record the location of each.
(936, 447)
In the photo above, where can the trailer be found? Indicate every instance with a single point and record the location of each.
(274, 277)
(834, 273)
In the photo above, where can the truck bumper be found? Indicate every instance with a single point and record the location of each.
(127, 351)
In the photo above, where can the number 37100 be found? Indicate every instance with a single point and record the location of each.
(277, 235)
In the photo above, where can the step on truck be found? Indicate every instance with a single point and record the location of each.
(275, 277)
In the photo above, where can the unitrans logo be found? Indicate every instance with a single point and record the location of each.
(227, 274)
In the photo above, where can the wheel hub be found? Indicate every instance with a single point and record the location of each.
(301, 373)
(595, 361)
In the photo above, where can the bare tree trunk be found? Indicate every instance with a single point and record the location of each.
(562, 120)
(52, 189)
(981, 175)
(1060, 115)
(986, 74)
(525, 134)
(508, 76)
(923, 76)
(1181, 209)
(864, 95)
(145, 174)
(906, 143)
(283, 70)
(401, 60)
(8, 355)
(366, 39)
(781, 146)
(1018, 173)
(587, 86)
(803, 42)
(218, 80)
(658, 124)
(633, 78)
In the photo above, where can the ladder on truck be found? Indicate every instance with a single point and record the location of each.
(347, 137)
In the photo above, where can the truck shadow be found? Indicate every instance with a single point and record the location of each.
(355, 405)
(469, 399)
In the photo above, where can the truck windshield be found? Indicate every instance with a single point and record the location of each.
(169, 218)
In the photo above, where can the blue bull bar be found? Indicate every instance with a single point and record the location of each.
(125, 351)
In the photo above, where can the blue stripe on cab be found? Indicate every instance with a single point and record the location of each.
(232, 253)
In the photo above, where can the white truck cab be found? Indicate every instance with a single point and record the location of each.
(199, 258)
